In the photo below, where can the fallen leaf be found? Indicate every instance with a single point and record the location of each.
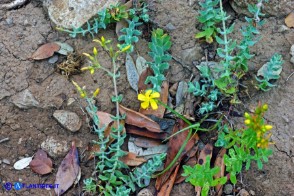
(289, 20)
(22, 163)
(141, 84)
(131, 159)
(146, 142)
(181, 92)
(141, 64)
(145, 133)
(173, 89)
(174, 145)
(163, 98)
(45, 51)
(119, 26)
(68, 171)
(65, 48)
(139, 120)
(41, 164)
(104, 118)
(168, 185)
(219, 162)
(132, 74)
(206, 151)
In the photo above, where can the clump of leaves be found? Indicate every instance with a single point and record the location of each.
(206, 89)
(159, 45)
(248, 144)
(209, 17)
(109, 177)
(270, 71)
(203, 176)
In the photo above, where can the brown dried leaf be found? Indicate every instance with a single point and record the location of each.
(41, 164)
(119, 26)
(45, 51)
(191, 162)
(168, 185)
(289, 20)
(175, 144)
(139, 120)
(68, 171)
(146, 142)
(163, 98)
(219, 162)
(145, 133)
(141, 84)
(105, 118)
(131, 159)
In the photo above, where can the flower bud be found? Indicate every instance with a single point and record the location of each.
(246, 115)
(268, 127)
(265, 107)
(247, 122)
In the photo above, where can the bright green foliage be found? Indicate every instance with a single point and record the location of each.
(249, 144)
(209, 17)
(159, 45)
(111, 177)
(202, 176)
(270, 71)
(205, 88)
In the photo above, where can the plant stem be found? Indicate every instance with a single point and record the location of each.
(224, 31)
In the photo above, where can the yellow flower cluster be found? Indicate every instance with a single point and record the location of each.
(255, 122)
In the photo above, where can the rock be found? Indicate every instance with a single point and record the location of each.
(68, 120)
(6, 161)
(243, 192)
(282, 28)
(24, 100)
(53, 59)
(252, 192)
(292, 54)
(170, 27)
(9, 21)
(279, 8)
(70, 101)
(145, 192)
(191, 54)
(228, 189)
(55, 148)
(74, 13)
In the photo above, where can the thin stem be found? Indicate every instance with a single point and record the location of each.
(224, 30)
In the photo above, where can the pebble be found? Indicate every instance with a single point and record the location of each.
(170, 27)
(228, 189)
(53, 59)
(24, 100)
(68, 120)
(243, 192)
(292, 54)
(145, 192)
(282, 29)
(252, 192)
(6, 161)
(55, 147)
(9, 21)
(70, 101)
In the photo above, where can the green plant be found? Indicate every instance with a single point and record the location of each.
(203, 176)
(159, 46)
(110, 178)
(246, 145)
(270, 71)
(209, 17)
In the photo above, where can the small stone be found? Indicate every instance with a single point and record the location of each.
(24, 100)
(145, 192)
(292, 50)
(53, 59)
(55, 148)
(6, 161)
(70, 101)
(191, 54)
(0, 162)
(243, 192)
(252, 192)
(9, 21)
(283, 28)
(170, 27)
(68, 120)
(26, 23)
(228, 189)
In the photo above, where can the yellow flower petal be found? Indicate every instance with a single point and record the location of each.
(153, 104)
(155, 95)
(142, 97)
(145, 104)
(148, 93)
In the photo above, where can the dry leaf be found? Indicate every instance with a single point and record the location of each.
(132, 74)
(219, 162)
(191, 162)
(141, 84)
(131, 159)
(41, 164)
(45, 51)
(174, 145)
(139, 120)
(22, 163)
(168, 185)
(146, 142)
(163, 98)
(68, 171)
(104, 118)
(145, 133)
(289, 20)
(119, 26)
(141, 64)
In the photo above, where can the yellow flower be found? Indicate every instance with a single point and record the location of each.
(268, 127)
(247, 122)
(149, 98)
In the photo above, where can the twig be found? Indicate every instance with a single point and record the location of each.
(13, 4)
(289, 76)
(4, 140)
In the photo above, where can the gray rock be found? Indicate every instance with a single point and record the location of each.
(74, 13)
(191, 54)
(55, 148)
(243, 192)
(228, 189)
(24, 100)
(9, 21)
(68, 120)
(279, 8)
(145, 192)
(170, 27)
(53, 59)
(6, 161)
(292, 54)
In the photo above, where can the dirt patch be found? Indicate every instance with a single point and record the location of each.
(23, 30)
